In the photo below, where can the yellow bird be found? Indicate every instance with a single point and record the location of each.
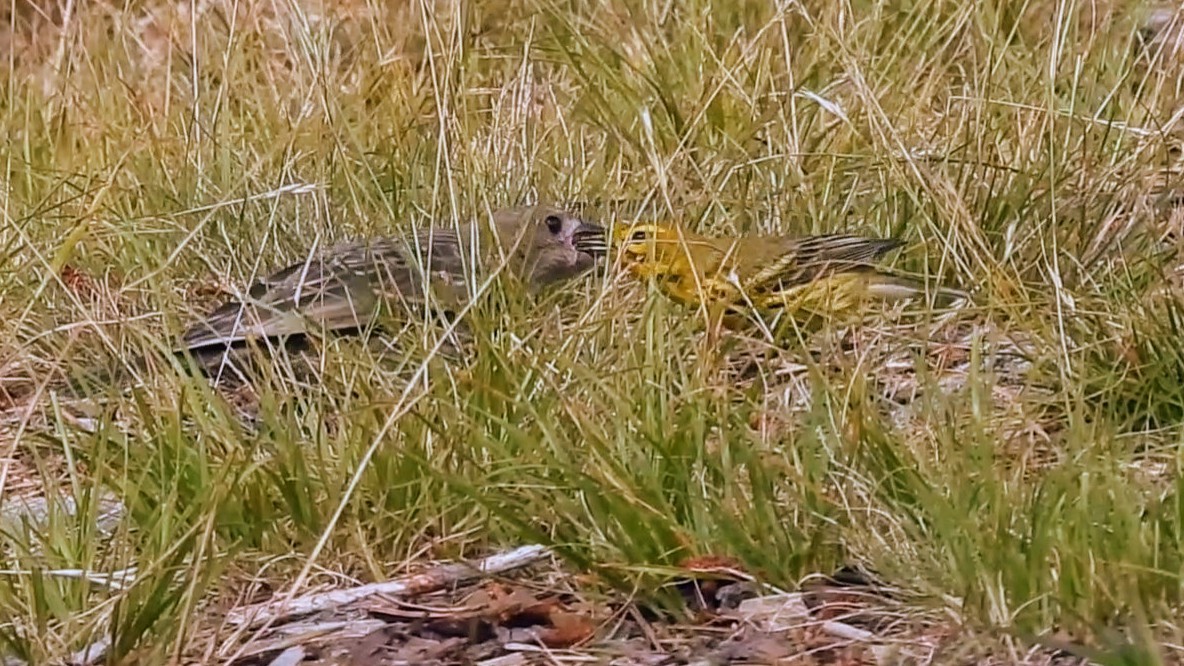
(774, 278)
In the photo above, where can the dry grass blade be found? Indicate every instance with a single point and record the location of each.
(1021, 454)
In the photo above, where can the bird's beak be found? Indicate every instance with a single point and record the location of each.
(591, 239)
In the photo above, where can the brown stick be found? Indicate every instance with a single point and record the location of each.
(421, 583)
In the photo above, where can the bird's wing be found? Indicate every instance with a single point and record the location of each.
(339, 290)
(812, 257)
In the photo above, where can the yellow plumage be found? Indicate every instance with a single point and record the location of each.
(775, 278)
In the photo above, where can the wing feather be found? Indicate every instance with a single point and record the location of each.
(340, 289)
(813, 257)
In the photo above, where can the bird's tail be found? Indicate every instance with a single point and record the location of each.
(890, 287)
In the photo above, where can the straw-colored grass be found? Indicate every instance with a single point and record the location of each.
(1021, 455)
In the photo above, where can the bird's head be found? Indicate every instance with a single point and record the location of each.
(551, 243)
(648, 247)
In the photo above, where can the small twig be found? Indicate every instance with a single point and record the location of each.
(788, 610)
(422, 583)
(116, 580)
(310, 636)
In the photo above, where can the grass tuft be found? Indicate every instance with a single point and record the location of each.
(1017, 463)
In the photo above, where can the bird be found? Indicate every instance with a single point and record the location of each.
(776, 279)
(353, 287)
(1159, 28)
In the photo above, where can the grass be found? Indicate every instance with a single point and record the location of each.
(153, 156)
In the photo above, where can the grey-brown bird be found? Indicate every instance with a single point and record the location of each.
(352, 287)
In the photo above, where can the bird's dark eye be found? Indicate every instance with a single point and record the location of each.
(639, 235)
(554, 224)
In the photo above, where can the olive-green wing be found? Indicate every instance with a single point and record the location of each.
(807, 259)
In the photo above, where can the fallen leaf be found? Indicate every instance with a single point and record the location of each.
(567, 629)
(711, 573)
(79, 283)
